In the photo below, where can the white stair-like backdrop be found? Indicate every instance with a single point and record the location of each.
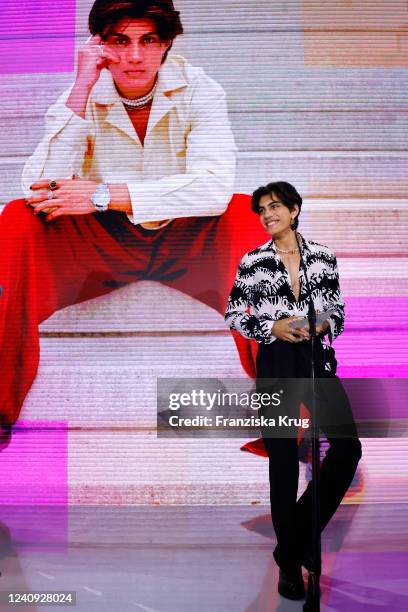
(339, 133)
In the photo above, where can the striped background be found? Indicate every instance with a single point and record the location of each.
(317, 96)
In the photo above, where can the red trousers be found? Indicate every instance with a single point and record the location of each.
(47, 266)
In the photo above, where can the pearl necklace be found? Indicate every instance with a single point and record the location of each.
(139, 102)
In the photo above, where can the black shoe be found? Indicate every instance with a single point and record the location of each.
(291, 585)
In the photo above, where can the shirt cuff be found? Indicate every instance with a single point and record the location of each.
(266, 327)
(331, 332)
(151, 200)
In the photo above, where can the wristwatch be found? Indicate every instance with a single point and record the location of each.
(101, 198)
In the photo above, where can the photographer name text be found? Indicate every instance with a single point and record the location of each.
(252, 421)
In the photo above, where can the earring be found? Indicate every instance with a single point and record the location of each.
(293, 224)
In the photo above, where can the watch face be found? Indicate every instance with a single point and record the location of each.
(101, 197)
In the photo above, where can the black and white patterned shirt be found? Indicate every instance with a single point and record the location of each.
(262, 291)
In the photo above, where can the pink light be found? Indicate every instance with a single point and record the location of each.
(34, 466)
(37, 36)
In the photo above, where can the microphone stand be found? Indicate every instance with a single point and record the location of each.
(312, 603)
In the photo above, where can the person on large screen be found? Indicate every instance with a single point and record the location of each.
(268, 301)
(132, 180)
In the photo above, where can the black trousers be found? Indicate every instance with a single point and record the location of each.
(284, 367)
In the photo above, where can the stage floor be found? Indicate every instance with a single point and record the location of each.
(198, 559)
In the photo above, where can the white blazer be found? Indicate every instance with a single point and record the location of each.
(187, 164)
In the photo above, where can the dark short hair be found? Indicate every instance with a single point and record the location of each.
(286, 193)
(106, 13)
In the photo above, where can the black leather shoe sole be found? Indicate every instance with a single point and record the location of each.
(291, 585)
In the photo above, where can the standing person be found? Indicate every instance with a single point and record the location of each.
(131, 181)
(270, 295)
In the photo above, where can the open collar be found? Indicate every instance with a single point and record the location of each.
(307, 252)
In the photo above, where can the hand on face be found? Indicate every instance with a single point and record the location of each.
(92, 58)
(281, 329)
(71, 197)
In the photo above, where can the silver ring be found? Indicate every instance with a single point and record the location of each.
(50, 194)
